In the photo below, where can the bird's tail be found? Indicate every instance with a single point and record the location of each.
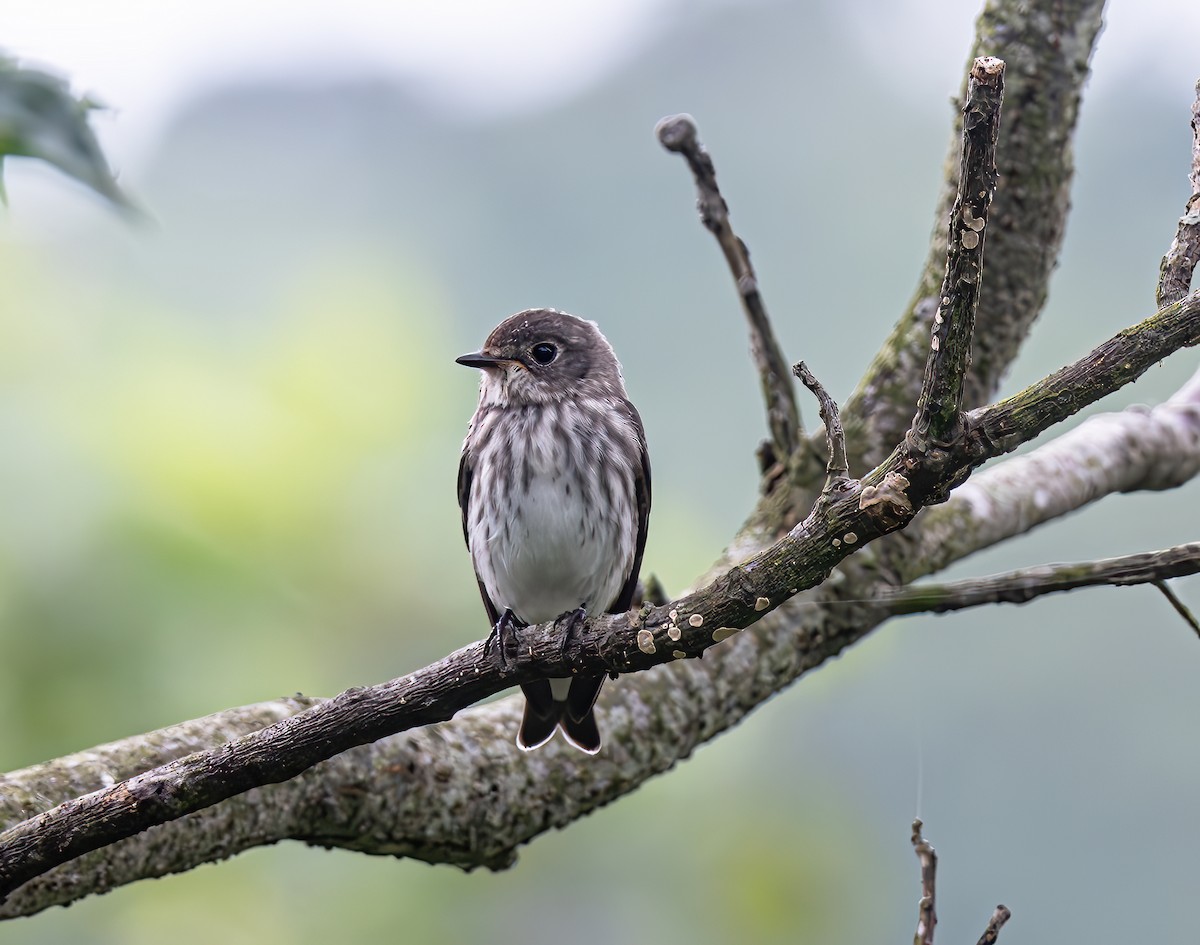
(565, 704)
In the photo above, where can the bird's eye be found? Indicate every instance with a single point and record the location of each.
(544, 352)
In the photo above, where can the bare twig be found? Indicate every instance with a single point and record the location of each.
(1022, 586)
(926, 915)
(940, 404)
(1178, 265)
(995, 924)
(837, 469)
(1180, 607)
(678, 133)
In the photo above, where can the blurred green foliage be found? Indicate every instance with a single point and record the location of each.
(184, 490)
(40, 118)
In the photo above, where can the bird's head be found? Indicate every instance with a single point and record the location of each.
(544, 356)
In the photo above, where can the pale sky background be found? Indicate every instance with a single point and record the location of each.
(475, 57)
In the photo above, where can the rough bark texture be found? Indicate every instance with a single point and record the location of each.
(940, 401)
(1026, 584)
(1047, 47)
(1135, 449)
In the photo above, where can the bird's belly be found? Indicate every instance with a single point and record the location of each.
(557, 554)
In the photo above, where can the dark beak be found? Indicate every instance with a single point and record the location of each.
(478, 360)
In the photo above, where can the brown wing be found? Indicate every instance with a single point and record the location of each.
(641, 486)
(465, 475)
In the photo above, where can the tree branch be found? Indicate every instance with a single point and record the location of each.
(1025, 584)
(995, 924)
(1126, 451)
(837, 470)
(939, 405)
(1180, 607)
(890, 496)
(1178, 265)
(1047, 47)
(678, 134)
(927, 914)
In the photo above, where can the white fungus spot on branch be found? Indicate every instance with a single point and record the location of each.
(645, 641)
(975, 223)
(762, 604)
(890, 491)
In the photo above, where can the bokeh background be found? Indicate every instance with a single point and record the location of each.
(230, 439)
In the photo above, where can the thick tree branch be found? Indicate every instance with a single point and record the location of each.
(891, 495)
(1047, 47)
(939, 404)
(1130, 450)
(1025, 584)
(678, 133)
(1178, 265)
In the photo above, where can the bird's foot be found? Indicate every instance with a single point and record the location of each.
(572, 620)
(504, 637)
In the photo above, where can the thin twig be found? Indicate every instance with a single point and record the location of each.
(926, 914)
(1180, 607)
(838, 468)
(995, 924)
(1025, 584)
(678, 133)
(940, 404)
(1178, 265)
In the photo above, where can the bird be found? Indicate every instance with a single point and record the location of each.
(554, 489)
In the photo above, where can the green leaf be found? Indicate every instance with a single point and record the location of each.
(40, 118)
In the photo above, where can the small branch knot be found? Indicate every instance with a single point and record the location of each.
(676, 132)
(987, 68)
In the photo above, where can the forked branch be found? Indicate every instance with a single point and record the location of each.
(927, 914)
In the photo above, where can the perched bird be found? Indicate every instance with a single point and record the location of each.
(554, 487)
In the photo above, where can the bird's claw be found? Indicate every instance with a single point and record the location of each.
(504, 638)
(572, 621)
